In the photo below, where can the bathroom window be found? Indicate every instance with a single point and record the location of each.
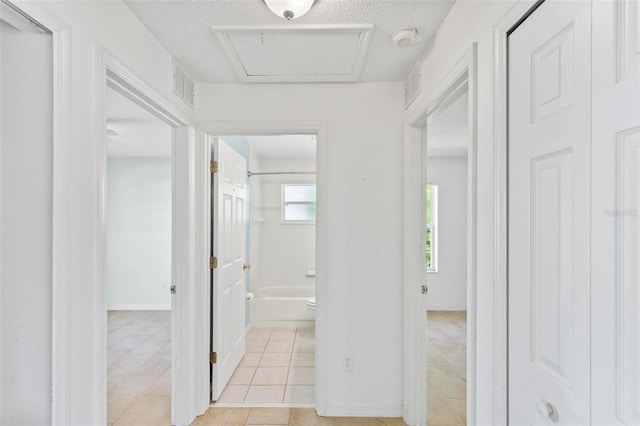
(432, 228)
(298, 203)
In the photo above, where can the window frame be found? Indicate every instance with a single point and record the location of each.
(433, 226)
(284, 203)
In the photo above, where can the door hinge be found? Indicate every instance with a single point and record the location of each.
(213, 357)
(213, 262)
(214, 166)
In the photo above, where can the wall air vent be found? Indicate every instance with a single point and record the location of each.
(182, 84)
(413, 84)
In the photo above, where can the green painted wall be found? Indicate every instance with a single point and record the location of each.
(138, 261)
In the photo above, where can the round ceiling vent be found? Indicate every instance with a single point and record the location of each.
(405, 37)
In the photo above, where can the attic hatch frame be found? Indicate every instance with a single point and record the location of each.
(224, 32)
(114, 75)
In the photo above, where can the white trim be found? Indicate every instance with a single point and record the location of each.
(458, 308)
(112, 73)
(61, 269)
(415, 321)
(208, 129)
(99, 310)
(365, 31)
(433, 269)
(500, 356)
(184, 403)
(60, 323)
(414, 372)
(285, 324)
(127, 84)
(256, 405)
(202, 273)
(139, 307)
(472, 238)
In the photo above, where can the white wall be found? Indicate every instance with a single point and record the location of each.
(364, 223)
(284, 250)
(138, 256)
(92, 27)
(25, 227)
(449, 45)
(448, 286)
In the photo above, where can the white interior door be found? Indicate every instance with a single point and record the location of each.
(549, 227)
(229, 248)
(26, 230)
(615, 217)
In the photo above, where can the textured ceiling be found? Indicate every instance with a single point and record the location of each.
(283, 146)
(184, 28)
(447, 126)
(139, 133)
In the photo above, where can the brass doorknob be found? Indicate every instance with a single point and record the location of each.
(246, 266)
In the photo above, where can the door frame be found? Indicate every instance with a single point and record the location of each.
(112, 73)
(61, 263)
(415, 156)
(513, 18)
(206, 131)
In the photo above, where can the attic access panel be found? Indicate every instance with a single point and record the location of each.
(295, 53)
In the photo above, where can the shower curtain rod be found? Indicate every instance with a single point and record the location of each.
(249, 174)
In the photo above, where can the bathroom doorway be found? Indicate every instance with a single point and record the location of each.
(277, 368)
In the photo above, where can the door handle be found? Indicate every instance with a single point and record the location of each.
(246, 266)
(545, 410)
(173, 289)
(424, 289)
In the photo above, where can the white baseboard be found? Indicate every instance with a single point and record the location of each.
(364, 411)
(447, 308)
(284, 324)
(139, 307)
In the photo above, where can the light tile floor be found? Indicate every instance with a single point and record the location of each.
(446, 368)
(139, 368)
(217, 416)
(278, 369)
(139, 376)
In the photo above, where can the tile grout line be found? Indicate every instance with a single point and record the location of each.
(289, 365)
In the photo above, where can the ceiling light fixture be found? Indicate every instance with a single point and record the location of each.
(289, 9)
(405, 37)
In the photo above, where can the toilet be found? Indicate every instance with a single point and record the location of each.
(311, 303)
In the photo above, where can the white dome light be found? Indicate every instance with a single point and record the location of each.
(289, 9)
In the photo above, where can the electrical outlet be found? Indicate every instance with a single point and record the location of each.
(165, 286)
(348, 363)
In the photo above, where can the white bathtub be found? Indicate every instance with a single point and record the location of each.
(282, 306)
